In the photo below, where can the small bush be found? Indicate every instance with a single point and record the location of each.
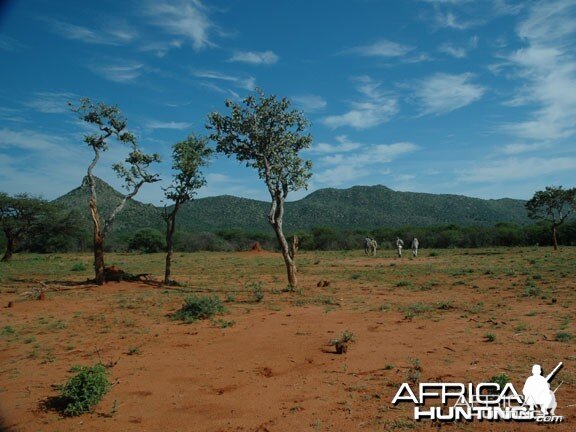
(563, 337)
(490, 337)
(257, 291)
(501, 380)
(199, 307)
(79, 266)
(341, 343)
(84, 390)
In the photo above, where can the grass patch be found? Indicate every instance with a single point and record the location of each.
(199, 307)
(84, 390)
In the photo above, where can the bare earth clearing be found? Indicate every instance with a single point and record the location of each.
(267, 366)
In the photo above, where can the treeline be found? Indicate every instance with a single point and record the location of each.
(74, 239)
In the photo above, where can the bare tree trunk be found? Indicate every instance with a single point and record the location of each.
(554, 236)
(170, 225)
(10, 246)
(275, 219)
(100, 277)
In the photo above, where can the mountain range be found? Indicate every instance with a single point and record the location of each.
(359, 207)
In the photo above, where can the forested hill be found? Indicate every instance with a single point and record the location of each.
(359, 207)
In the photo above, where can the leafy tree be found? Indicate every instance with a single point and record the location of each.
(188, 157)
(109, 123)
(18, 216)
(147, 240)
(554, 204)
(267, 135)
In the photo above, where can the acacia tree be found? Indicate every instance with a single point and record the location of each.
(188, 157)
(110, 124)
(18, 216)
(554, 204)
(267, 135)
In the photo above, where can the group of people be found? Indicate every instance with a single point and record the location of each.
(370, 246)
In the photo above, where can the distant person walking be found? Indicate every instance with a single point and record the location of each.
(399, 246)
(415, 245)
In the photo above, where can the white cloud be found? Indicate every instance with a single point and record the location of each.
(254, 57)
(382, 48)
(28, 140)
(51, 102)
(344, 145)
(9, 44)
(183, 18)
(517, 148)
(310, 103)
(458, 51)
(119, 72)
(367, 161)
(516, 169)
(116, 33)
(154, 124)
(546, 69)
(442, 93)
(246, 83)
(376, 108)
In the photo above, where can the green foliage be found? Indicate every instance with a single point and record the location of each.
(266, 134)
(256, 290)
(199, 307)
(501, 379)
(553, 204)
(341, 343)
(564, 337)
(490, 337)
(79, 266)
(84, 390)
(147, 240)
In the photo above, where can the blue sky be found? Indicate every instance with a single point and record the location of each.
(443, 96)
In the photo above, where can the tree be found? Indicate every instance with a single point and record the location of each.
(554, 204)
(147, 240)
(18, 216)
(265, 134)
(109, 123)
(188, 157)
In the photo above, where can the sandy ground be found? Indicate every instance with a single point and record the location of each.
(273, 370)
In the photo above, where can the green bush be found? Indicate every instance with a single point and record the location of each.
(501, 380)
(199, 307)
(84, 390)
(147, 240)
(257, 291)
(79, 266)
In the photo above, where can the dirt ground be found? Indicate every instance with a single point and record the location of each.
(447, 316)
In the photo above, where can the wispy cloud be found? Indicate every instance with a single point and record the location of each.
(118, 72)
(376, 108)
(443, 93)
(342, 167)
(458, 51)
(381, 48)
(518, 148)
(50, 102)
(28, 140)
(115, 33)
(546, 68)
(310, 103)
(9, 44)
(182, 18)
(154, 124)
(516, 169)
(344, 145)
(255, 57)
(246, 83)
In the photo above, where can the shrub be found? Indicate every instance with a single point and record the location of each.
(257, 291)
(147, 240)
(341, 343)
(199, 307)
(563, 337)
(501, 380)
(79, 266)
(84, 390)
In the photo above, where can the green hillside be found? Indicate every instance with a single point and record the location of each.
(362, 207)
